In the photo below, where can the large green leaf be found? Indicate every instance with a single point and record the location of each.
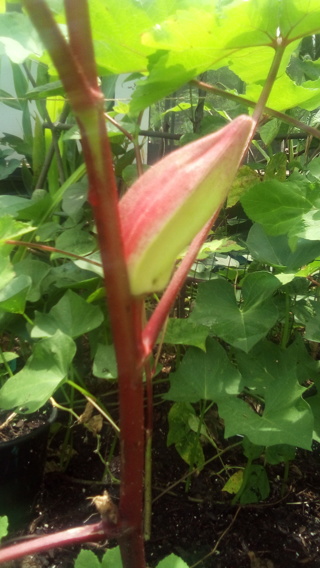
(286, 94)
(238, 35)
(45, 370)
(275, 250)
(217, 308)
(286, 417)
(18, 38)
(277, 206)
(117, 28)
(72, 315)
(208, 376)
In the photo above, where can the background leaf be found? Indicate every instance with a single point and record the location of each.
(44, 371)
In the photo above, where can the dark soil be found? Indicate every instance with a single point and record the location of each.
(279, 533)
(14, 425)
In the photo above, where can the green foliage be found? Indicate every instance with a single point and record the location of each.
(3, 527)
(112, 559)
(249, 338)
(44, 372)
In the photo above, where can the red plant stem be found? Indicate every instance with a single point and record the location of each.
(80, 39)
(124, 311)
(88, 533)
(74, 81)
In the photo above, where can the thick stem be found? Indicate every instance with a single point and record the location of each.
(76, 67)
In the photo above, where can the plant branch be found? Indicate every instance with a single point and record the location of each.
(267, 110)
(70, 537)
(132, 139)
(51, 249)
(272, 75)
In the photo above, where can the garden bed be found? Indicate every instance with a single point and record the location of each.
(277, 533)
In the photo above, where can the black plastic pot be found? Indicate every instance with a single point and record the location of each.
(21, 469)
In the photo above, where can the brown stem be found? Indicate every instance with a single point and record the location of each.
(51, 249)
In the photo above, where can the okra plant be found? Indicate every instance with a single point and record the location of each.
(173, 207)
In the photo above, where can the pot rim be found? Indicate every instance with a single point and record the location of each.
(34, 433)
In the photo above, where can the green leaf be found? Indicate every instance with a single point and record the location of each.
(279, 454)
(117, 31)
(112, 558)
(105, 363)
(43, 373)
(251, 451)
(314, 403)
(208, 376)
(269, 131)
(72, 315)
(172, 561)
(276, 168)
(18, 38)
(246, 178)
(11, 229)
(75, 197)
(234, 483)
(7, 167)
(8, 100)
(286, 417)
(4, 524)
(312, 330)
(87, 559)
(275, 250)
(8, 356)
(37, 271)
(184, 332)
(187, 442)
(75, 241)
(276, 206)
(13, 296)
(255, 486)
(216, 306)
(12, 204)
(43, 91)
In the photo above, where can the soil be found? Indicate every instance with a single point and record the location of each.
(281, 532)
(14, 425)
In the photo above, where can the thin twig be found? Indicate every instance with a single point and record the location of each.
(219, 540)
(52, 249)
(132, 139)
